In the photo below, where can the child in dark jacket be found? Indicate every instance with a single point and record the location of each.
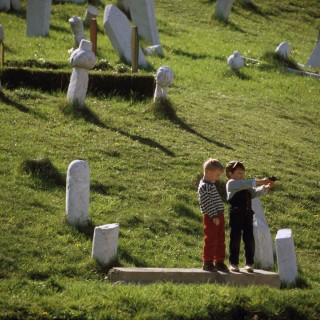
(239, 195)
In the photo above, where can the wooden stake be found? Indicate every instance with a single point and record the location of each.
(134, 49)
(2, 54)
(93, 34)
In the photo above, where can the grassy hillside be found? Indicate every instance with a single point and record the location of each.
(145, 170)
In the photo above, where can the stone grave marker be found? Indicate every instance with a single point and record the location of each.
(164, 79)
(105, 243)
(223, 9)
(77, 29)
(235, 61)
(4, 5)
(38, 18)
(78, 189)
(82, 60)
(314, 60)
(118, 29)
(91, 12)
(283, 50)
(286, 256)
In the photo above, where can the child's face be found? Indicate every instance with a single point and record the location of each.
(215, 174)
(238, 174)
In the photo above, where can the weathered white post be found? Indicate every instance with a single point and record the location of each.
(105, 243)
(235, 61)
(78, 189)
(164, 79)
(286, 256)
(82, 60)
(283, 50)
(91, 12)
(223, 9)
(77, 29)
(38, 18)
(314, 60)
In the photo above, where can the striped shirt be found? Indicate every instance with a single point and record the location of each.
(209, 199)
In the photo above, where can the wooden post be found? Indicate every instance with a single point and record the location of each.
(1, 54)
(134, 49)
(93, 34)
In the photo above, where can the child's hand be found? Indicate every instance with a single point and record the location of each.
(270, 185)
(216, 221)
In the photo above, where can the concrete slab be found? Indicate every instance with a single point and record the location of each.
(148, 275)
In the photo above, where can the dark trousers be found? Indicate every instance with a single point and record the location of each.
(241, 223)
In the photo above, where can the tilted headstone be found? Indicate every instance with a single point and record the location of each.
(286, 256)
(1, 33)
(314, 60)
(105, 243)
(164, 79)
(77, 29)
(38, 18)
(4, 5)
(78, 189)
(283, 50)
(16, 5)
(82, 60)
(235, 61)
(263, 245)
(223, 9)
(91, 12)
(118, 29)
(143, 16)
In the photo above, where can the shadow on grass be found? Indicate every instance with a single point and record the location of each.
(90, 117)
(254, 9)
(227, 24)
(13, 103)
(59, 29)
(163, 108)
(87, 230)
(182, 210)
(239, 74)
(194, 56)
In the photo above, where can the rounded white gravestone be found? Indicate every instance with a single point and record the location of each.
(154, 50)
(235, 61)
(1, 33)
(4, 5)
(82, 60)
(78, 190)
(314, 60)
(223, 9)
(16, 5)
(283, 50)
(105, 242)
(91, 12)
(77, 29)
(286, 256)
(164, 79)
(38, 17)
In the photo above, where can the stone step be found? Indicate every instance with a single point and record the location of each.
(147, 275)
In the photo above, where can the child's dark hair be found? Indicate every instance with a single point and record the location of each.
(232, 166)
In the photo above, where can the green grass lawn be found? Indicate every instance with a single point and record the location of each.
(145, 170)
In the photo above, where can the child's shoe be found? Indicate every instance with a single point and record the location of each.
(234, 268)
(208, 266)
(249, 268)
(221, 266)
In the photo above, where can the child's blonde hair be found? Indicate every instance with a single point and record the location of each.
(212, 164)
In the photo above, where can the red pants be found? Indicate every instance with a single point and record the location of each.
(214, 248)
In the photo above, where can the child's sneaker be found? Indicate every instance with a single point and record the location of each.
(208, 266)
(234, 268)
(249, 268)
(221, 266)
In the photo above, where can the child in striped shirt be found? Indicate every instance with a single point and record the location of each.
(212, 208)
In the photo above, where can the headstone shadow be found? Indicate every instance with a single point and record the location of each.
(13, 103)
(194, 56)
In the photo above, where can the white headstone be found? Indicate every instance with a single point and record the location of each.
(154, 50)
(91, 12)
(164, 79)
(105, 242)
(1, 33)
(283, 50)
(223, 9)
(143, 16)
(16, 5)
(314, 60)
(78, 189)
(118, 29)
(77, 29)
(258, 210)
(4, 5)
(286, 256)
(38, 17)
(235, 61)
(263, 245)
(82, 60)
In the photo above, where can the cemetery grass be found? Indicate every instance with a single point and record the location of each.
(145, 169)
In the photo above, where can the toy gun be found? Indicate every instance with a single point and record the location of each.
(273, 178)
